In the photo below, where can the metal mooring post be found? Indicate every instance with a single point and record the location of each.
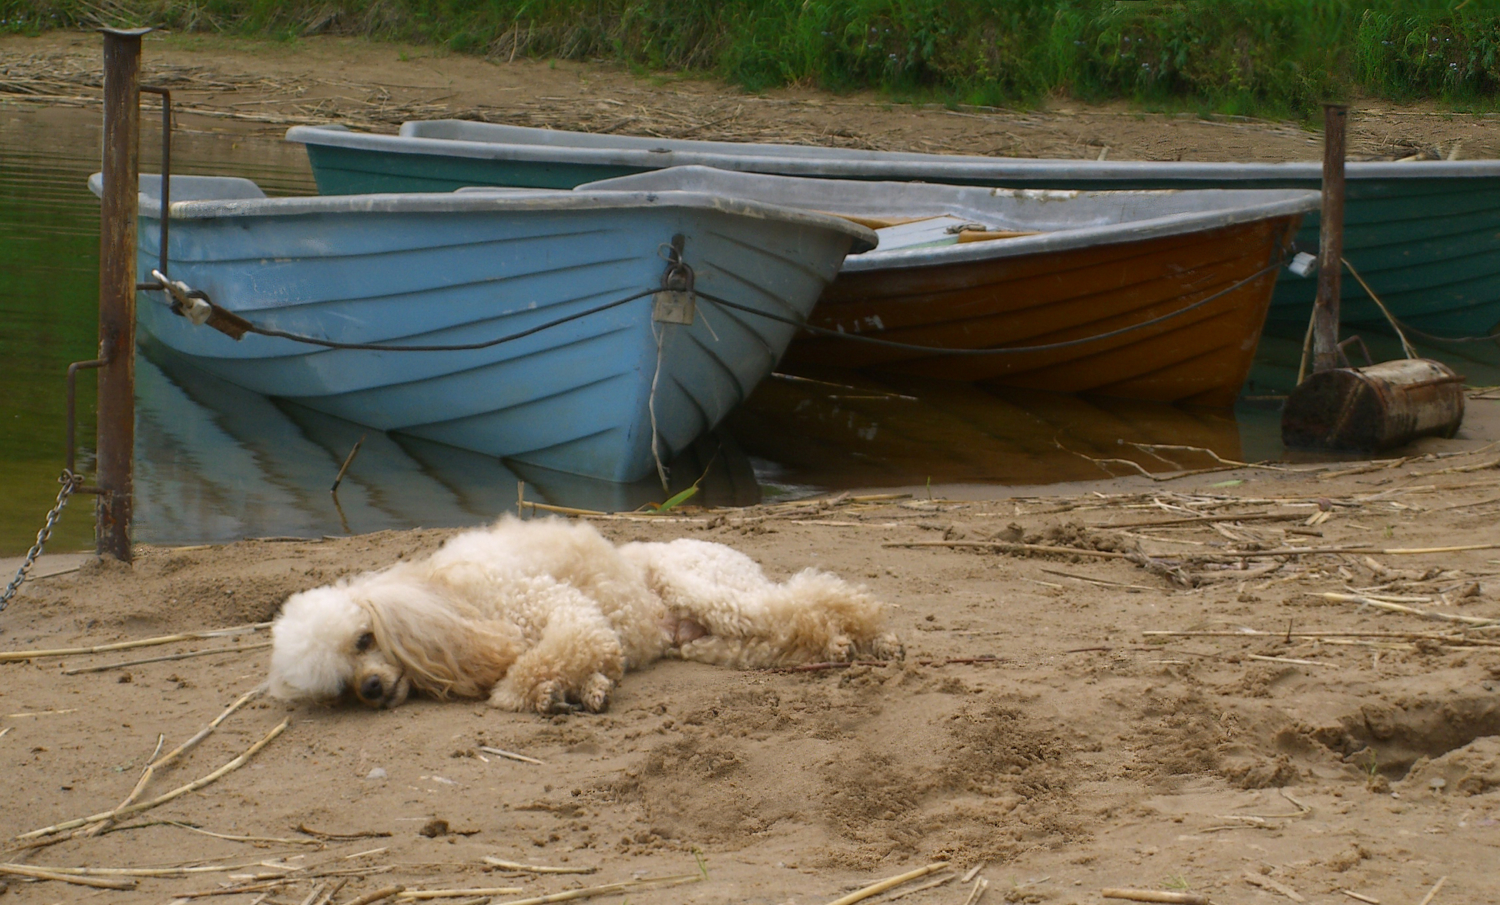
(1330, 240)
(117, 252)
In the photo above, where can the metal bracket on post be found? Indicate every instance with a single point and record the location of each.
(72, 442)
(166, 182)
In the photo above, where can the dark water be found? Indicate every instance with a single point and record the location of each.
(215, 463)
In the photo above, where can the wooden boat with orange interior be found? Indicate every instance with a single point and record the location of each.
(1157, 295)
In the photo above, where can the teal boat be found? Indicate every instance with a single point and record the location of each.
(1424, 235)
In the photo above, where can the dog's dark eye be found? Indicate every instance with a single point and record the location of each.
(364, 642)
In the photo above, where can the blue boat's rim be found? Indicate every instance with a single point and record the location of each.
(839, 163)
(1220, 208)
(229, 197)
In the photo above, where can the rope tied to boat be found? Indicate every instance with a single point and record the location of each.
(70, 484)
(1003, 350)
(235, 326)
(679, 278)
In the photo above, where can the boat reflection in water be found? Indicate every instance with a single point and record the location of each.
(215, 463)
(838, 429)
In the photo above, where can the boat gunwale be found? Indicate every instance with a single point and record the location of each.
(1283, 203)
(497, 202)
(901, 165)
(1072, 239)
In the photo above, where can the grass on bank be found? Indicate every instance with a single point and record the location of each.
(1251, 57)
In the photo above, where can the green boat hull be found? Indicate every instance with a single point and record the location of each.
(348, 171)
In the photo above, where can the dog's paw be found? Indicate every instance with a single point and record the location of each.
(840, 649)
(503, 697)
(887, 647)
(595, 696)
(551, 697)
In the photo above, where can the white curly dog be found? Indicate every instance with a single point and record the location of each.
(546, 616)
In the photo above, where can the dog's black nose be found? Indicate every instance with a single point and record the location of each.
(370, 689)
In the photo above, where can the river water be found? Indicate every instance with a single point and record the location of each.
(215, 463)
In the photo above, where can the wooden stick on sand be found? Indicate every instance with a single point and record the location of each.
(875, 889)
(511, 755)
(151, 768)
(536, 869)
(185, 656)
(1152, 895)
(1432, 893)
(41, 873)
(590, 892)
(376, 895)
(419, 894)
(13, 656)
(193, 786)
(1006, 546)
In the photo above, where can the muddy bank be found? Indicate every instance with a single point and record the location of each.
(237, 84)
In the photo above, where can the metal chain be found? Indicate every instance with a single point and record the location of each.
(70, 482)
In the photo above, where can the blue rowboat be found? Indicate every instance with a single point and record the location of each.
(606, 395)
(1424, 235)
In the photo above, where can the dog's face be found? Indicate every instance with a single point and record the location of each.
(326, 644)
(379, 681)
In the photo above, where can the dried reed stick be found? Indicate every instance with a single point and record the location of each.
(1291, 660)
(251, 839)
(875, 889)
(1476, 621)
(1007, 546)
(458, 893)
(590, 892)
(1432, 893)
(1264, 882)
(341, 837)
(41, 873)
(193, 786)
(187, 656)
(170, 756)
(1206, 519)
(129, 871)
(376, 895)
(13, 656)
(1152, 895)
(511, 755)
(536, 869)
(977, 893)
(922, 887)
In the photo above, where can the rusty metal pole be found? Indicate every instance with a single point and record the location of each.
(117, 253)
(1330, 240)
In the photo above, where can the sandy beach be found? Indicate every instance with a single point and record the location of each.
(1155, 683)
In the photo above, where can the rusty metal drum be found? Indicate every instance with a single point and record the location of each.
(1374, 408)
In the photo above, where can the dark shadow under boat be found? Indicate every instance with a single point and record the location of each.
(844, 429)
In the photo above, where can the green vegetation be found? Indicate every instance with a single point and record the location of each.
(1234, 56)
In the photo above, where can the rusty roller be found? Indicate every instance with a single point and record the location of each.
(1375, 407)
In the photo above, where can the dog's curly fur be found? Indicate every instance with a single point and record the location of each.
(547, 615)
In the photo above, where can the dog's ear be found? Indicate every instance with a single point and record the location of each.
(445, 651)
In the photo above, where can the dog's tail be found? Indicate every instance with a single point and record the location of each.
(812, 617)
